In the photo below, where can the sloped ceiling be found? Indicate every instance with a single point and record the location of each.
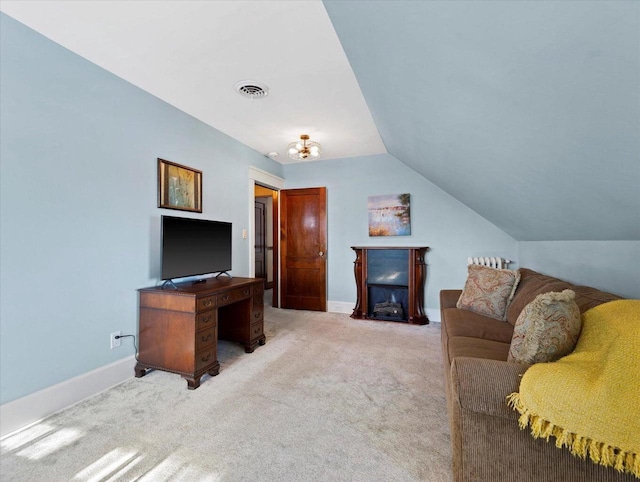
(527, 112)
(191, 54)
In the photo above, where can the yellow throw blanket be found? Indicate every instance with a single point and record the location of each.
(590, 399)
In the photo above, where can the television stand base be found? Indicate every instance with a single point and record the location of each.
(223, 272)
(169, 283)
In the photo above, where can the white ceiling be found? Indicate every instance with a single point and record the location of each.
(528, 112)
(191, 53)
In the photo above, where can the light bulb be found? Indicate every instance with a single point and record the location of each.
(293, 151)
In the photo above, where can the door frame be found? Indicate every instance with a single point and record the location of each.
(271, 181)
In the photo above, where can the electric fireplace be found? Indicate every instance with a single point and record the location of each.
(390, 283)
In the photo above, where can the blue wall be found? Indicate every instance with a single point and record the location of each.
(79, 223)
(448, 227)
(612, 266)
(79, 228)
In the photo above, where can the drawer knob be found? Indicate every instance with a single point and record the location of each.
(208, 302)
(206, 358)
(246, 292)
(256, 315)
(206, 338)
(225, 298)
(206, 319)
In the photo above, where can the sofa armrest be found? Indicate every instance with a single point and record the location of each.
(449, 298)
(480, 385)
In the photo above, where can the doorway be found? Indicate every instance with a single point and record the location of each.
(259, 179)
(264, 231)
(301, 289)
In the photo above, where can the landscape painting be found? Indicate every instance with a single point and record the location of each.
(389, 215)
(179, 187)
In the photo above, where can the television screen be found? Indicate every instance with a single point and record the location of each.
(194, 246)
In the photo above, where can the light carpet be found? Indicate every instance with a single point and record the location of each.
(327, 398)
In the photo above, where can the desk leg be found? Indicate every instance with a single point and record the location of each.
(192, 382)
(252, 345)
(140, 370)
(214, 370)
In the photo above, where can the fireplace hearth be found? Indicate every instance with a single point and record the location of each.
(390, 284)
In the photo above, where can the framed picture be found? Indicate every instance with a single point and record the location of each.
(179, 187)
(389, 215)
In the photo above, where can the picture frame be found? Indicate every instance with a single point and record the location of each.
(179, 187)
(389, 215)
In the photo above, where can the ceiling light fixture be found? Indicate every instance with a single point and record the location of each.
(304, 149)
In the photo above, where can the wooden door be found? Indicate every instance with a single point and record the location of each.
(260, 246)
(303, 248)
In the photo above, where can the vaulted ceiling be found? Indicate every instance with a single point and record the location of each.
(526, 111)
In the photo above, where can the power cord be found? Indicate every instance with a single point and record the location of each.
(117, 337)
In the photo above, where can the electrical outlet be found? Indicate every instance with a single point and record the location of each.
(115, 342)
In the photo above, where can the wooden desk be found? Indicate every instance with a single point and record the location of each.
(179, 328)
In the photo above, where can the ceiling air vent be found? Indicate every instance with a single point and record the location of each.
(251, 89)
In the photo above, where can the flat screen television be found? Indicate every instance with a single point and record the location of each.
(193, 247)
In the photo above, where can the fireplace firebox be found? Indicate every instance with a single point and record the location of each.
(390, 283)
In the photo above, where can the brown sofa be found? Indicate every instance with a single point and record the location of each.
(487, 442)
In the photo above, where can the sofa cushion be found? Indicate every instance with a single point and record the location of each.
(457, 322)
(477, 348)
(488, 291)
(531, 285)
(587, 297)
(547, 329)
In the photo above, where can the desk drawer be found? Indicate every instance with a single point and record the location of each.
(257, 329)
(233, 296)
(256, 315)
(206, 319)
(205, 357)
(257, 289)
(205, 338)
(206, 303)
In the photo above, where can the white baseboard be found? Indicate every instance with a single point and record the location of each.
(347, 307)
(433, 314)
(36, 406)
(340, 306)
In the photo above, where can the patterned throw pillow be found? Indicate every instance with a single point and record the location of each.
(547, 329)
(489, 291)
